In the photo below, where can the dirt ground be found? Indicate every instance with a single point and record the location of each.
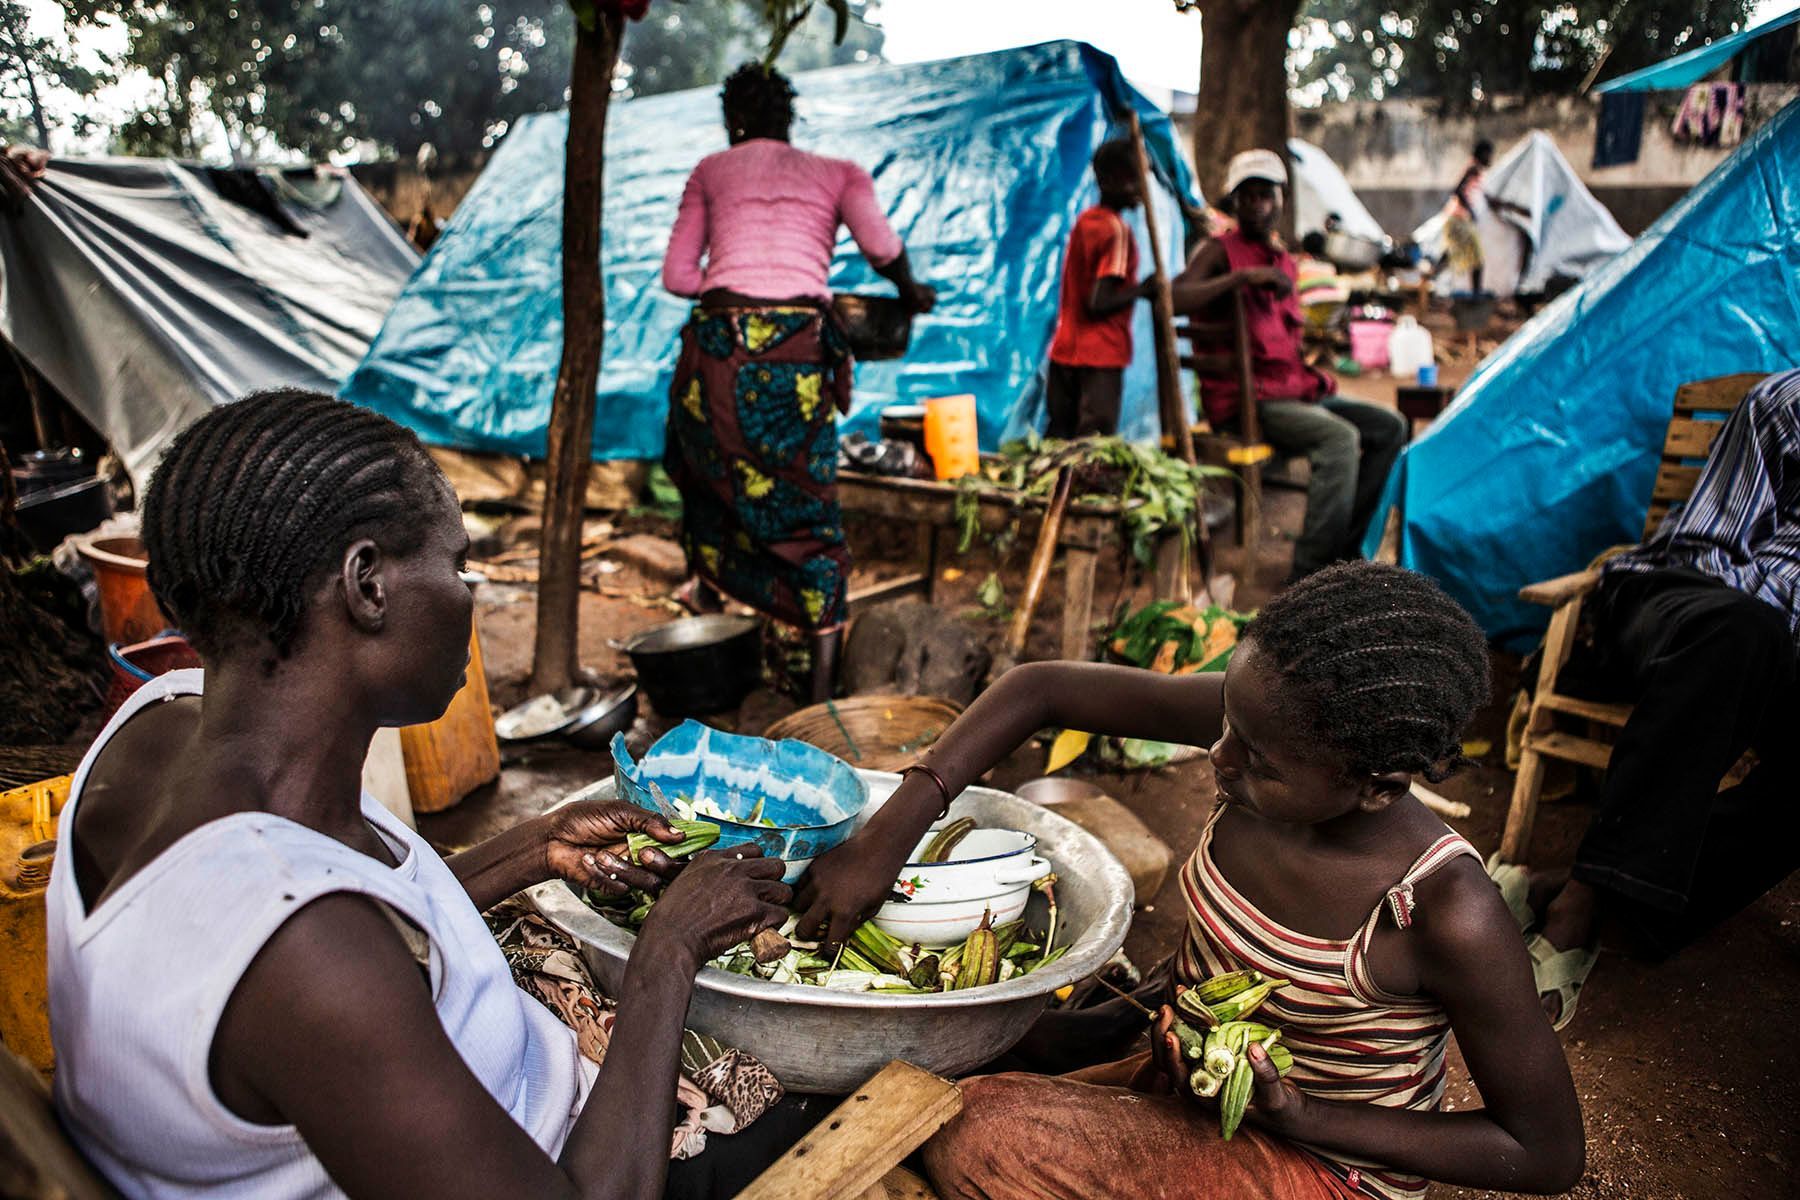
(1688, 1084)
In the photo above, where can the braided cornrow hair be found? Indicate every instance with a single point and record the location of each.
(1377, 664)
(758, 103)
(255, 501)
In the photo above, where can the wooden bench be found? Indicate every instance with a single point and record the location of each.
(1545, 717)
(854, 1155)
(1087, 529)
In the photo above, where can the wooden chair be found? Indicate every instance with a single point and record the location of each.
(1244, 453)
(1699, 411)
(855, 1153)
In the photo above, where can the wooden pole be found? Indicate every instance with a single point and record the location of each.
(553, 660)
(1041, 557)
(1162, 307)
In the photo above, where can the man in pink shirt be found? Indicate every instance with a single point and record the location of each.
(764, 368)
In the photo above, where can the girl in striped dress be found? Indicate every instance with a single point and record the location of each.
(1317, 866)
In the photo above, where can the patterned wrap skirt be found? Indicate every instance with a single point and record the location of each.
(752, 445)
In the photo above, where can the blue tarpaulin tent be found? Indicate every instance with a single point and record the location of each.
(1548, 454)
(981, 162)
(1673, 74)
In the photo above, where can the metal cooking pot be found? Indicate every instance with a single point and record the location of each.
(698, 665)
(876, 327)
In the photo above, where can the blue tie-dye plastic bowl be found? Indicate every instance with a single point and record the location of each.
(813, 797)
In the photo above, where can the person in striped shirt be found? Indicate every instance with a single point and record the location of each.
(1319, 866)
(1698, 627)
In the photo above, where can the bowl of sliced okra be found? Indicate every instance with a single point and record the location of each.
(824, 1023)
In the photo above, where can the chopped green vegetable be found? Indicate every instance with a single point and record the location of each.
(695, 837)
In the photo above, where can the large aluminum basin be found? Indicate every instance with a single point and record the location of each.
(817, 1040)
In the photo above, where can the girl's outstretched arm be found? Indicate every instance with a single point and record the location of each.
(1529, 1136)
(843, 887)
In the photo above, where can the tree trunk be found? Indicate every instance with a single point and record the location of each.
(1243, 100)
(554, 659)
(17, 37)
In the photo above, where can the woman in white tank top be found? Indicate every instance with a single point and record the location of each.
(262, 985)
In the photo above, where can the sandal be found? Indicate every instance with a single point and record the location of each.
(1561, 973)
(1514, 882)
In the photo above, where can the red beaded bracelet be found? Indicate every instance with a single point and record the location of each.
(943, 788)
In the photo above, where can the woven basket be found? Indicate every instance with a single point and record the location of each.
(889, 732)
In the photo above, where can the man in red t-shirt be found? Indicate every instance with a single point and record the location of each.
(1092, 346)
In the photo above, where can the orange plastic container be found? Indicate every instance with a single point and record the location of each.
(952, 436)
(128, 612)
(27, 845)
(457, 753)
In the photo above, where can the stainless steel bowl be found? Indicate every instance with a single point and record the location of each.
(817, 1040)
(512, 726)
(593, 727)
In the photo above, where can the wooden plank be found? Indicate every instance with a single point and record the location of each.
(918, 583)
(1559, 639)
(1674, 482)
(1521, 814)
(1172, 575)
(1690, 439)
(1078, 602)
(1088, 523)
(900, 1184)
(1593, 710)
(863, 1139)
(1570, 748)
(1722, 393)
(1554, 593)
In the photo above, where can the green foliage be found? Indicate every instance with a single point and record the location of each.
(1467, 51)
(320, 76)
(1156, 492)
(698, 43)
(33, 67)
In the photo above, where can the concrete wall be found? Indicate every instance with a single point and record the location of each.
(1403, 157)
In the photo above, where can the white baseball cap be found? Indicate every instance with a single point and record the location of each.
(1255, 164)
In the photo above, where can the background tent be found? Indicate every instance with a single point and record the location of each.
(1320, 189)
(1568, 233)
(148, 290)
(1548, 454)
(981, 163)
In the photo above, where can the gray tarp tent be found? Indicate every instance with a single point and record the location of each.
(1567, 234)
(148, 290)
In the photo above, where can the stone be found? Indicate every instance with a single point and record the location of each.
(1146, 856)
(877, 639)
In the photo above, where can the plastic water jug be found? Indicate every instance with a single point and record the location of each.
(950, 436)
(1409, 348)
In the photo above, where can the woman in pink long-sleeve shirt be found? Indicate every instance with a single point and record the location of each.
(764, 367)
